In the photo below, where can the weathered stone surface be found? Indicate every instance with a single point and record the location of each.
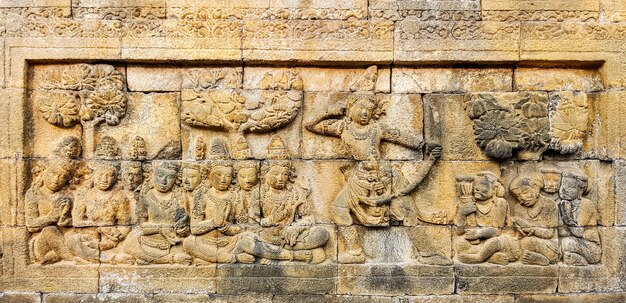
(316, 151)
(19, 298)
(509, 279)
(286, 279)
(394, 279)
(458, 298)
(584, 5)
(591, 298)
(445, 80)
(456, 41)
(558, 80)
(304, 40)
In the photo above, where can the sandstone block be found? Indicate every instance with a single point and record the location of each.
(451, 41)
(286, 279)
(393, 280)
(331, 40)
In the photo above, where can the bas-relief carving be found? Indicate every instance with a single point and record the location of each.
(527, 124)
(217, 207)
(549, 221)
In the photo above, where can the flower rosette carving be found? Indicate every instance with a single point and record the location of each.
(498, 133)
(83, 93)
(569, 122)
(526, 124)
(60, 108)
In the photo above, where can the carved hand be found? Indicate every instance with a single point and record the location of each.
(435, 152)
(472, 234)
(338, 108)
(467, 208)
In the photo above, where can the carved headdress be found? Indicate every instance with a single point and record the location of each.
(277, 153)
(218, 153)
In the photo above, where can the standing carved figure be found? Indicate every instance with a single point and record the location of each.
(481, 221)
(356, 123)
(373, 194)
(535, 217)
(580, 239)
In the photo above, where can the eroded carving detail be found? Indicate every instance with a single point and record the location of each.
(526, 124)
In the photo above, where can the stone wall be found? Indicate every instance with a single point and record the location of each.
(312, 151)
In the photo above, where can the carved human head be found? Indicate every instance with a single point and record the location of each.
(280, 170)
(70, 147)
(486, 186)
(526, 188)
(57, 175)
(279, 175)
(104, 176)
(574, 184)
(193, 174)
(247, 175)
(221, 175)
(362, 108)
(132, 175)
(551, 178)
(368, 170)
(165, 176)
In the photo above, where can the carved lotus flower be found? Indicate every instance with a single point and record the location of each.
(109, 105)
(497, 133)
(60, 109)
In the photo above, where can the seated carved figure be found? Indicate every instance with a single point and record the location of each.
(216, 210)
(481, 218)
(103, 204)
(193, 174)
(286, 209)
(48, 213)
(535, 217)
(162, 220)
(580, 239)
(248, 185)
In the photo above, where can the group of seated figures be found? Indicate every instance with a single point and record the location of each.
(80, 212)
(217, 211)
(551, 220)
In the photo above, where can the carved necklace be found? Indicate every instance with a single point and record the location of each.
(215, 198)
(361, 135)
(165, 204)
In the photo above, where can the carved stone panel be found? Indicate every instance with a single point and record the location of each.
(309, 180)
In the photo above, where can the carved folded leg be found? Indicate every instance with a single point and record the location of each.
(255, 246)
(580, 252)
(492, 250)
(204, 250)
(50, 247)
(539, 251)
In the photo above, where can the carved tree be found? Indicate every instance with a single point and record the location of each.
(526, 124)
(230, 111)
(85, 94)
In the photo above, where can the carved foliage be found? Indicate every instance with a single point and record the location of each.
(83, 93)
(506, 123)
